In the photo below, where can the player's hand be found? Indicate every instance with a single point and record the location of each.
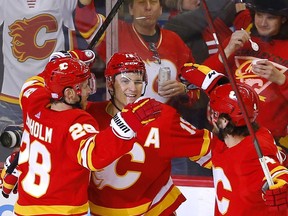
(276, 197)
(87, 56)
(134, 116)
(10, 175)
(202, 76)
(141, 112)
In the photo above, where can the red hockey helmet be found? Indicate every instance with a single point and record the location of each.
(124, 63)
(223, 100)
(66, 72)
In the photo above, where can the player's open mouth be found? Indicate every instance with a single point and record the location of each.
(130, 95)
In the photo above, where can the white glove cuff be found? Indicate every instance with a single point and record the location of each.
(120, 128)
(60, 54)
(209, 78)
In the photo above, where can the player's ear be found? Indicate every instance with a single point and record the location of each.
(69, 95)
(109, 85)
(222, 122)
(130, 10)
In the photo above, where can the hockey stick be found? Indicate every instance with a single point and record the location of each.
(105, 24)
(241, 104)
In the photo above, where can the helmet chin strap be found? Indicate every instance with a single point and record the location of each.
(113, 102)
(144, 89)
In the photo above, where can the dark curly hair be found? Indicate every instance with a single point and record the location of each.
(233, 130)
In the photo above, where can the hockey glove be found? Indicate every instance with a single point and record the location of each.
(87, 56)
(10, 176)
(276, 197)
(202, 76)
(134, 116)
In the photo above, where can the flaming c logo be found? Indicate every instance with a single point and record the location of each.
(24, 34)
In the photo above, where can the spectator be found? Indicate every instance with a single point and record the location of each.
(237, 172)
(139, 182)
(192, 27)
(32, 31)
(179, 6)
(157, 47)
(265, 69)
(56, 156)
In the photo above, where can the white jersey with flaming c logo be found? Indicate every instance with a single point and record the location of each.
(32, 31)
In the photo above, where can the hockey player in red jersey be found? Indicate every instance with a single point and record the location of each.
(30, 32)
(139, 182)
(61, 142)
(237, 172)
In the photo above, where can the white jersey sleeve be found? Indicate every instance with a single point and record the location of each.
(67, 11)
(32, 31)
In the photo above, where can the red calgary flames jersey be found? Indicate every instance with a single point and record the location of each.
(139, 182)
(57, 152)
(238, 176)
